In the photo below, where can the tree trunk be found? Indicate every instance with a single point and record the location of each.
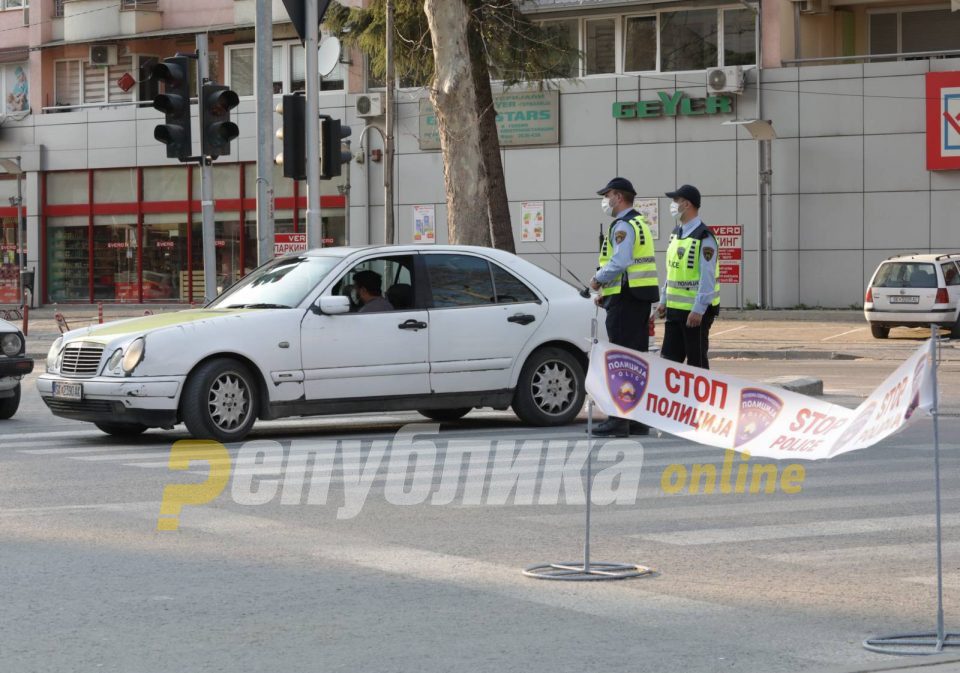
(498, 208)
(454, 98)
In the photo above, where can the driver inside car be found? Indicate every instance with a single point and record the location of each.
(369, 290)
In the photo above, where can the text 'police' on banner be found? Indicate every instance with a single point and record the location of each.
(764, 421)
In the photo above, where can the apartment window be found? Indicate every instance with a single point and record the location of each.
(739, 37)
(13, 4)
(67, 89)
(15, 88)
(288, 68)
(688, 40)
(57, 9)
(600, 48)
(640, 43)
(911, 30)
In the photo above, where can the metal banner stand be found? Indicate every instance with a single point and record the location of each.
(924, 643)
(587, 571)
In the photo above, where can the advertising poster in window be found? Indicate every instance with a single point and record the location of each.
(17, 88)
(424, 224)
(650, 209)
(531, 221)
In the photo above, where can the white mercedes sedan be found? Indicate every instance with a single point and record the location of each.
(436, 329)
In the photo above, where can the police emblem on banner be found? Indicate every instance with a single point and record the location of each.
(627, 377)
(854, 428)
(758, 410)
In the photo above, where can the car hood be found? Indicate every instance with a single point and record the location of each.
(108, 332)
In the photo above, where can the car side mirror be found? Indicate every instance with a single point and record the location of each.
(333, 305)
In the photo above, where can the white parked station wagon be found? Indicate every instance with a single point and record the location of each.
(456, 328)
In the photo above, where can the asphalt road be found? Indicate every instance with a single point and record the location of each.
(744, 582)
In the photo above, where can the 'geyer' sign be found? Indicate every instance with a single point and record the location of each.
(672, 105)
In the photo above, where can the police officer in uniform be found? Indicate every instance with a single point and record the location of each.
(692, 291)
(627, 281)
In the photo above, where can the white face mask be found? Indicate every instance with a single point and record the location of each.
(674, 209)
(606, 207)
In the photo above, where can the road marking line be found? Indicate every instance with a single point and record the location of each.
(732, 329)
(859, 329)
(801, 530)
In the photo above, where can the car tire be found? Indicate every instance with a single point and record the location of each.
(9, 405)
(550, 389)
(955, 330)
(879, 331)
(445, 415)
(220, 401)
(122, 429)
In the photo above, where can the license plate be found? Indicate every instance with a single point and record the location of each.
(64, 390)
(905, 299)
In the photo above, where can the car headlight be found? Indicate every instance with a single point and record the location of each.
(113, 364)
(11, 344)
(53, 355)
(133, 355)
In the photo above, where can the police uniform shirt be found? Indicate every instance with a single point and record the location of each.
(708, 268)
(622, 250)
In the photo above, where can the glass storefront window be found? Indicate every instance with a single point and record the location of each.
(165, 277)
(115, 186)
(9, 264)
(68, 261)
(282, 187)
(600, 48)
(739, 37)
(115, 258)
(282, 224)
(67, 187)
(165, 184)
(226, 182)
(640, 43)
(688, 40)
(227, 241)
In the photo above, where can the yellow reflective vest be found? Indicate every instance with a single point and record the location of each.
(683, 269)
(642, 272)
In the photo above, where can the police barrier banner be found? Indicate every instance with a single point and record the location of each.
(762, 420)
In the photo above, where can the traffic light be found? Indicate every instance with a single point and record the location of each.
(174, 102)
(216, 129)
(332, 156)
(293, 133)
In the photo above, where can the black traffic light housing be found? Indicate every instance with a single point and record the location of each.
(293, 134)
(216, 129)
(174, 102)
(332, 156)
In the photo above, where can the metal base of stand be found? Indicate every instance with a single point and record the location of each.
(575, 572)
(911, 644)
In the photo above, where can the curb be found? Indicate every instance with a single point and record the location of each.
(806, 385)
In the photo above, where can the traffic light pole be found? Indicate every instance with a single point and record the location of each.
(312, 135)
(206, 185)
(264, 37)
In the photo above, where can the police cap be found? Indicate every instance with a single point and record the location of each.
(620, 184)
(688, 192)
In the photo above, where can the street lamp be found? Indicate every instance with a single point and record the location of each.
(14, 167)
(762, 131)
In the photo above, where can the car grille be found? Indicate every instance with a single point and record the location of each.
(81, 359)
(81, 407)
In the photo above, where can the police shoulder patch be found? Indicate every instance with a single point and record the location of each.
(619, 236)
(707, 253)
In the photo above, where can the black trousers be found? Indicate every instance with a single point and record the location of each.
(690, 344)
(627, 321)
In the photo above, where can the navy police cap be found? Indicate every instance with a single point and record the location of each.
(688, 192)
(621, 184)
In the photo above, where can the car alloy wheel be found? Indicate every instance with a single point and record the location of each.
(554, 387)
(229, 401)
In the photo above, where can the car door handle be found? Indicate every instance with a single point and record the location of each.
(412, 324)
(521, 318)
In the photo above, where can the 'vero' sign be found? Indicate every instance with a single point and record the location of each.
(284, 243)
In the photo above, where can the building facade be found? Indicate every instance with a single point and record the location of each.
(844, 83)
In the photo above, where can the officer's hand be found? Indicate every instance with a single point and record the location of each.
(694, 319)
(598, 300)
(661, 310)
(594, 284)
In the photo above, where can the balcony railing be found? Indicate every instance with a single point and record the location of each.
(139, 4)
(871, 58)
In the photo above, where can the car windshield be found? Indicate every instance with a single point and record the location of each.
(282, 283)
(906, 274)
